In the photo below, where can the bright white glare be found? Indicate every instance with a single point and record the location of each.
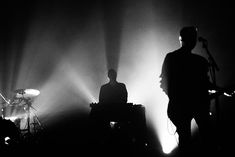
(7, 140)
(76, 81)
(63, 69)
(145, 42)
(12, 118)
(140, 67)
(169, 143)
(212, 91)
(64, 91)
(228, 95)
(194, 126)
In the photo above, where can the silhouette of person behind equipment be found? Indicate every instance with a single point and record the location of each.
(112, 106)
(113, 92)
(185, 79)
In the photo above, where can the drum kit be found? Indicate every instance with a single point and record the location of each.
(19, 107)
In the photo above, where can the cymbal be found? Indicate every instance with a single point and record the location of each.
(26, 93)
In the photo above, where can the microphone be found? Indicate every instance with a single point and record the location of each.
(201, 39)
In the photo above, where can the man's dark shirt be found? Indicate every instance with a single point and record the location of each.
(116, 93)
(112, 102)
(185, 80)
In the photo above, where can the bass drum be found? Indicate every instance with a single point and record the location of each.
(9, 133)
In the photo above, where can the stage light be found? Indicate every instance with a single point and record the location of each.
(113, 124)
(7, 140)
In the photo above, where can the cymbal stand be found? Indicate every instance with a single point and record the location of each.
(6, 101)
(28, 105)
(36, 121)
(27, 136)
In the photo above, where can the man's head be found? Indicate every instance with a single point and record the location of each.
(112, 74)
(188, 37)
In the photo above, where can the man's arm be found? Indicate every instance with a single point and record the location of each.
(124, 94)
(101, 95)
(164, 75)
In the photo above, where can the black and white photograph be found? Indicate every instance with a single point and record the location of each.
(111, 78)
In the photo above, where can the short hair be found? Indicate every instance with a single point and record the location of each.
(112, 73)
(188, 33)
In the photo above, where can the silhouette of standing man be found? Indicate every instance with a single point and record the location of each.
(113, 92)
(185, 79)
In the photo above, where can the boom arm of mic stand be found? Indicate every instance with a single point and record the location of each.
(204, 45)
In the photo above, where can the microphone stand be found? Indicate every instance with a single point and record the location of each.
(213, 68)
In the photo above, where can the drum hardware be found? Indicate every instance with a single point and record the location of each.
(5, 103)
(22, 100)
(26, 96)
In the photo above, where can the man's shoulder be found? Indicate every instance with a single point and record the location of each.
(121, 84)
(200, 58)
(179, 53)
(117, 84)
(173, 53)
(105, 85)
